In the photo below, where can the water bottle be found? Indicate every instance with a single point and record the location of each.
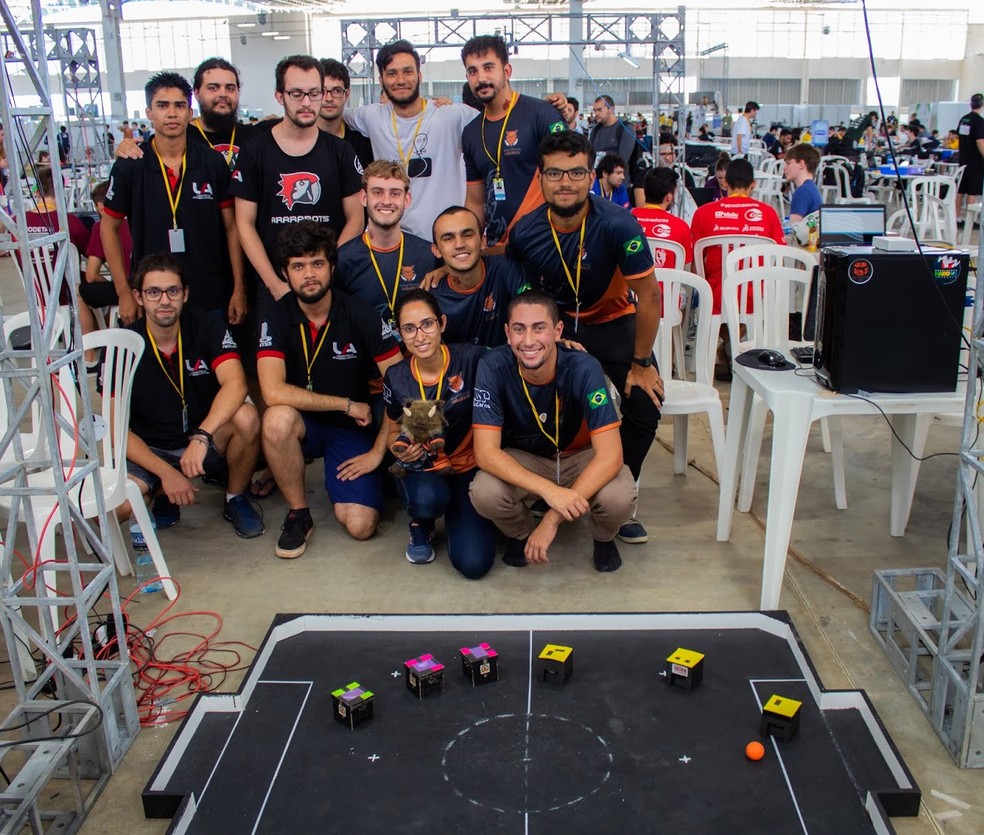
(146, 570)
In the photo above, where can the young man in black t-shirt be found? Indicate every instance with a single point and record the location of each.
(188, 412)
(970, 135)
(545, 426)
(316, 352)
(338, 88)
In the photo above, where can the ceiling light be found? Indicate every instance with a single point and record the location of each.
(281, 37)
(271, 34)
(245, 25)
(627, 57)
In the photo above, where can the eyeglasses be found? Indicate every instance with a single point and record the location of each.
(335, 92)
(154, 293)
(555, 175)
(298, 95)
(427, 326)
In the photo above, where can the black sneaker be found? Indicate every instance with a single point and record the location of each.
(633, 532)
(606, 556)
(295, 532)
(166, 513)
(514, 554)
(539, 508)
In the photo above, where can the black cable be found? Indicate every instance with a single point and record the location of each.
(896, 434)
(53, 738)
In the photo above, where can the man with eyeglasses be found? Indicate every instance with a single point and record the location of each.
(338, 88)
(176, 199)
(610, 135)
(188, 415)
(316, 352)
(592, 257)
(294, 172)
(666, 157)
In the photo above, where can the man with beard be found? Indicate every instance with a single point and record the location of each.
(176, 199)
(384, 261)
(592, 257)
(317, 350)
(425, 138)
(500, 148)
(338, 88)
(189, 413)
(543, 425)
(294, 172)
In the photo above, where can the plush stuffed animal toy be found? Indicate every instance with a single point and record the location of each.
(423, 423)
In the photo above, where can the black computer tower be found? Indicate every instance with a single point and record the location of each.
(890, 321)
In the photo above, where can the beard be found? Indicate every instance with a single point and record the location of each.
(568, 211)
(408, 98)
(219, 122)
(312, 296)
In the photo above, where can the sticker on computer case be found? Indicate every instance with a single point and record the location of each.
(860, 271)
(946, 269)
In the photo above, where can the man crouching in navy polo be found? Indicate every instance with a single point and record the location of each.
(188, 414)
(318, 349)
(545, 426)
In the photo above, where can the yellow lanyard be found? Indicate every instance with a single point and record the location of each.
(171, 198)
(445, 362)
(310, 362)
(405, 159)
(497, 159)
(232, 142)
(390, 298)
(555, 438)
(575, 283)
(180, 387)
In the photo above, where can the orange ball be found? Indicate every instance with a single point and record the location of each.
(755, 750)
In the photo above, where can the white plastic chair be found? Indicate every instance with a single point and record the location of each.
(840, 190)
(768, 189)
(673, 305)
(972, 214)
(934, 207)
(684, 397)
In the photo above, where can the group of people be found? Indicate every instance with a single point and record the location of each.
(302, 283)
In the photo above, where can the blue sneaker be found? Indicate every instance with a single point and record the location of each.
(420, 551)
(166, 513)
(247, 522)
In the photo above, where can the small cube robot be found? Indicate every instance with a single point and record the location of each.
(685, 668)
(780, 718)
(480, 664)
(557, 663)
(424, 675)
(352, 704)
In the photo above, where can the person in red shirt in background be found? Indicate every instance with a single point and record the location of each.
(737, 214)
(656, 221)
(43, 218)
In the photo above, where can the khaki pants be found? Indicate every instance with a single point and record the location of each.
(503, 503)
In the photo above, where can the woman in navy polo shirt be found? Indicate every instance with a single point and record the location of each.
(435, 371)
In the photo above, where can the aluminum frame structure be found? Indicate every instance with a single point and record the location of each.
(929, 621)
(57, 769)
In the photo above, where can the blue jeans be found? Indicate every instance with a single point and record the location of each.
(471, 539)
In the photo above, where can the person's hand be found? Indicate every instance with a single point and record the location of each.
(540, 540)
(568, 503)
(361, 413)
(360, 465)
(129, 310)
(558, 100)
(440, 101)
(237, 307)
(433, 278)
(574, 346)
(192, 462)
(407, 455)
(648, 380)
(177, 487)
(129, 149)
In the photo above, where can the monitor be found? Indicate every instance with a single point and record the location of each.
(850, 224)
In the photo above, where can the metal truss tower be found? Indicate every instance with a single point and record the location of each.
(77, 713)
(930, 622)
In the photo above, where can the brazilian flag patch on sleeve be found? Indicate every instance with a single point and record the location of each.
(633, 246)
(597, 399)
(558, 127)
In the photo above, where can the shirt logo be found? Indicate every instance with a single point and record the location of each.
(659, 257)
(229, 152)
(202, 192)
(237, 175)
(408, 273)
(358, 166)
(197, 368)
(597, 399)
(661, 230)
(753, 215)
(387, 330)
(481, 399)
(299, 187)
(489, 305)
(229, 342)
(512, 138)
(558, 127)
(633, 246)
(455, 384)
(345, 351)
(387, 393)
(265, 339)
(109, 191)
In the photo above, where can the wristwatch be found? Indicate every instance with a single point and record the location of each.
(645, 362)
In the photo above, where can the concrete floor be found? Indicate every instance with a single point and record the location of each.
(682, 568)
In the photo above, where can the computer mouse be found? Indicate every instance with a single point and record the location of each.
(773, 359)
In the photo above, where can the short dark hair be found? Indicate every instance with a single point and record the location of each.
(658, 183)
(483, 44)
(567, 142)
(806, 154)
(46, 180)
(336, 69)
(306, 238)
(534, 297)
(165, 80)
(573, 102)
(213, 64)
(453, 210)
(751, 105)
(977, 101)
(608, 164)
(739, 174)
(607, 100)
(416, 295)
(386, 55)
(666, 139)
(158, 262)
(302, 62)
(98, 193)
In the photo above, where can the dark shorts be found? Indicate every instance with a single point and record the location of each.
(337, 444)
(214, 460)
(99, 293)
(972, 181)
